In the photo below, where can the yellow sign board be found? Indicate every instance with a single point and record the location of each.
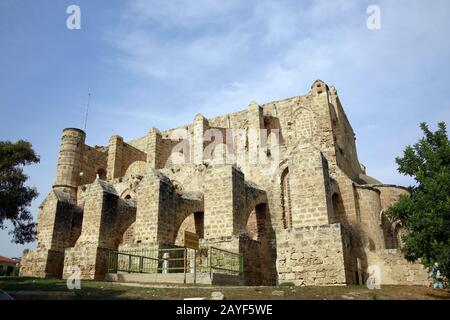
(191, 240)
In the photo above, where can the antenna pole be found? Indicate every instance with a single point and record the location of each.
(87, 111)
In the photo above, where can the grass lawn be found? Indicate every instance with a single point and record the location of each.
(35, 288)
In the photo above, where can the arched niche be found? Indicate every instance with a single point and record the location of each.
(338, 208)
(193, 223)
(285, 197)
(256, 227)
(101, 174)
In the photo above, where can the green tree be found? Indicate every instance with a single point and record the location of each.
(425, 215)
(15, 197)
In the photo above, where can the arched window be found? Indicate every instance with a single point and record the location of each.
(286, 199)
(101, 174)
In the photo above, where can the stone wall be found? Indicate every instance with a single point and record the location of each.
(105, 219)
(390, 194)
(396, 270)
(309, 184)
(311, 256)
(42, 263)
(59, 227)
(370, 209)
(253, 263)
(146, 228)
(344, 136)
(95, 162)
(219, 195)
(161, 210)
(120, 156)
(70, 160)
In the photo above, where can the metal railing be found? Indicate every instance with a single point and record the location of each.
(155, 260)
(224, 260)
(120, 261)
(173, 260)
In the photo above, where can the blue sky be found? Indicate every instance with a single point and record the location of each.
(158, 63)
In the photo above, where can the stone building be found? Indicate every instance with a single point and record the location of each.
(8, 267)
(280, 183)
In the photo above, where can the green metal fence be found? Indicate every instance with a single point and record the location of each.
(120, 261)
(148, 260)
(224, 260)
(156, 260)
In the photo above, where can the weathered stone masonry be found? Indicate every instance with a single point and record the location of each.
(315, 219)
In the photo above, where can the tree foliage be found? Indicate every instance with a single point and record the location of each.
(15, 196)
(425, 215)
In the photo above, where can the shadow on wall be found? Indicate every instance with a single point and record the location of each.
(355, 258)
(258, 244)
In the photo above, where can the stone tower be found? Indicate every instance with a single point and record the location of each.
(69, 167)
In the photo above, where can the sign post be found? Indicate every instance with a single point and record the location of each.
(191, 241)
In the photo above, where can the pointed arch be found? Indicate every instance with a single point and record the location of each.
(286, 199)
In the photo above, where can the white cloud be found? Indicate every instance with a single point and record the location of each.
(179, 13)
(220, 55)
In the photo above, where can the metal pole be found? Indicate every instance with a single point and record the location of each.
(195, 266)
(241, 263)
(87, 111)
(185, 264)
(210, 262)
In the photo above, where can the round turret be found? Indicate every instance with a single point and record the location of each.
(70, 160)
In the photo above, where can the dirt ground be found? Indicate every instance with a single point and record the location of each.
(34, 288)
